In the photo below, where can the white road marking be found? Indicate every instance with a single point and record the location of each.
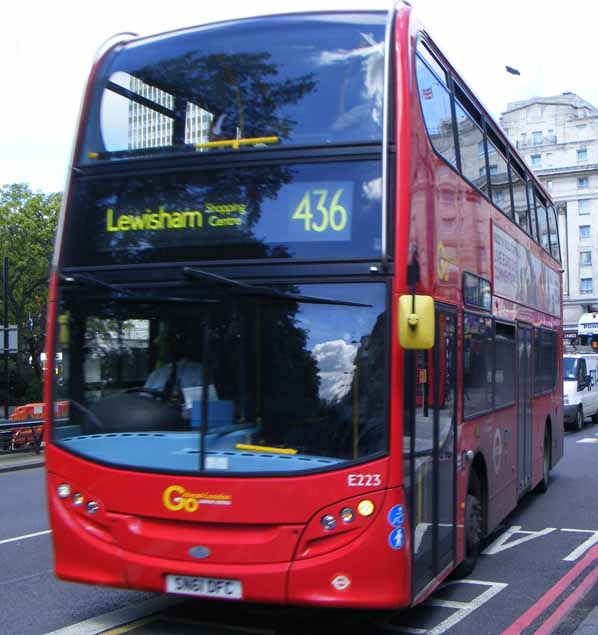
(591, 541)
(463, 609)
(119, 617)
(17, 538)
(499, 544)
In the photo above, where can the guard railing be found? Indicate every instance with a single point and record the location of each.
(31, 439)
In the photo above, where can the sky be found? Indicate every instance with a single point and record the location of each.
(46, 50)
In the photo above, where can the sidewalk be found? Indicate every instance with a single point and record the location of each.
(20, 461)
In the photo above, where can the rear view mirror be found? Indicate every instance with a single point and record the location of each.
(416, 322)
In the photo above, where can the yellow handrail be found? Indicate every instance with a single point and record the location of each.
(264, 448)
(236, 143)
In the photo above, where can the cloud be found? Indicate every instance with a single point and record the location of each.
(335, 363)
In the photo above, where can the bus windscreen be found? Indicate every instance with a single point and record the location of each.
(241, 84)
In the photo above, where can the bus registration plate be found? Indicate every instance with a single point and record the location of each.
(204, 587)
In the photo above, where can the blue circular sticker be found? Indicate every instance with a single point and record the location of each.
(396, 516)
(396, 538)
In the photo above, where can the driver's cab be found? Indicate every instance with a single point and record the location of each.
(160, 386)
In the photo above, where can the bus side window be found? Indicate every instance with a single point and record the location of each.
(436, 109)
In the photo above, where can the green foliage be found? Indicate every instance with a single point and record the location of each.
(27, 227)
(34, 392)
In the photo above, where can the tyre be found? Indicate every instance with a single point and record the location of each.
(473, 528)
(595, 417)
(579, 418)
(542, 486)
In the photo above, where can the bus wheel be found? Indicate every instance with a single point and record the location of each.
(578, 425)
(542, 486)
(473, 527)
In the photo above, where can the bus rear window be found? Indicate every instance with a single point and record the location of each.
(290, 80)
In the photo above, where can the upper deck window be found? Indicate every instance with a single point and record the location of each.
(288, 80)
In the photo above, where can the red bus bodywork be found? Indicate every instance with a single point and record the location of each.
(269, 535)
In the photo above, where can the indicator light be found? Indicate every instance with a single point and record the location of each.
(63, 490)
(78, 498)
(366, 507)
(92, 507)
(328, 522)
(347, 515)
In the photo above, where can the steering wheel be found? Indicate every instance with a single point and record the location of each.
(154, 392)
(164, 394)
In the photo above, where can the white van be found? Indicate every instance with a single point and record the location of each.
(580, 388)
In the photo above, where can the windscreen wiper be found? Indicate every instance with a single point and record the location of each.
(268, 292)
(131, 296)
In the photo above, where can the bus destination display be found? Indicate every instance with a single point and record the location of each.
(318, 211)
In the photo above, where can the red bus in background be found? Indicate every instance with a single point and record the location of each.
(307, 299)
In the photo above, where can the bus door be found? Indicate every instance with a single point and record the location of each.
(430, 401)
(524, 407)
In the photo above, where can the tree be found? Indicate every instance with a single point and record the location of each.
(27, 227)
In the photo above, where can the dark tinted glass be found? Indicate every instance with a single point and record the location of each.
(436, 107)
(499, 179)
(282, 80)
(554, 236)
(520, 200)
(471, 146)
(545, 363)
(477, 364)
(323, 211)
(504, 376)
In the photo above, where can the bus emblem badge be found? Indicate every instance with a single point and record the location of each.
(199, 552)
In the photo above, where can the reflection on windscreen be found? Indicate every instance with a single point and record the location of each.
(248, 384)
(294, 79)
(569, 368)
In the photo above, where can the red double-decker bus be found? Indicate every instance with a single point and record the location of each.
(306, 306)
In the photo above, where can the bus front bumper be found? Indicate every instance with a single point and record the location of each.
(364, 573)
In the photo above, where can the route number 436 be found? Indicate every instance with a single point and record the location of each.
(321, 210)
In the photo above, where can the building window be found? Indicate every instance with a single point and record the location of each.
(536, 160)
(585, 258)
(584, 206)
(585, 286)
(584, 231)
(582, 155)
(582, 182)
(581, 131)
(537, 137)
(549, 185)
